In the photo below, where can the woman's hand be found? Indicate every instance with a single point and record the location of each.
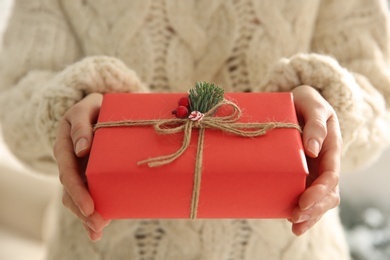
(322, 143)
(71, 150)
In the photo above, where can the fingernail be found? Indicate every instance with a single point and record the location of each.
(81, 145)
(308, 207)
(93, 236)
(303, 218)
(107, 222)
(90, 225)
(313, 146)
(82, 210)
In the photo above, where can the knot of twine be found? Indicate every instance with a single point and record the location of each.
(172, 126)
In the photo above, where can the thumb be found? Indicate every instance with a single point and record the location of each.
(314, 111)
(81, 117)
(314, 134)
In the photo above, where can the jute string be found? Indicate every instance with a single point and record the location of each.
(172, 126)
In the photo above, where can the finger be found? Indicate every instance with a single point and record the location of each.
(314, 111)
(328, 177)
(95, 232)
(95, 221)
(314, 132)
(331, 154)
(301, 228)
(68, 202)
(81, 117)
(69, 171)
(329, 201)
(93, 235)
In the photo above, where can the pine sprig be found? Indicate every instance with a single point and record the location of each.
(205, 96)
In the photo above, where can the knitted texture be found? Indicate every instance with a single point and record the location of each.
(228, 239)
(56, 51)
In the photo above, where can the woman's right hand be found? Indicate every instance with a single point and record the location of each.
(71, 151)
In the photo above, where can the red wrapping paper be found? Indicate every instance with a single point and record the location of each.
(260, 177)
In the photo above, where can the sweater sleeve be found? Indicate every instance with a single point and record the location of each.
(42, 75)
(349, 66)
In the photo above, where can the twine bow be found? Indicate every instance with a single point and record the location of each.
(226, 124)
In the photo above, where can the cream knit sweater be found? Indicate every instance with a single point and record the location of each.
(57, 51)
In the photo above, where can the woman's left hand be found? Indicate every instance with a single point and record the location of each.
(322, 144)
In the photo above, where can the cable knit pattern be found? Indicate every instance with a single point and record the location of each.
(57, 51)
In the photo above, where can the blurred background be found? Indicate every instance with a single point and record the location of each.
(24, 199)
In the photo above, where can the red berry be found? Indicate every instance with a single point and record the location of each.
(180, 112)
(184, 101)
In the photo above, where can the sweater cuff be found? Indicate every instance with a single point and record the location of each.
(361, 109)
(337, 85)
(101, 74)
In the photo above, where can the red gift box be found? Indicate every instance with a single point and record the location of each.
(242, 177)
